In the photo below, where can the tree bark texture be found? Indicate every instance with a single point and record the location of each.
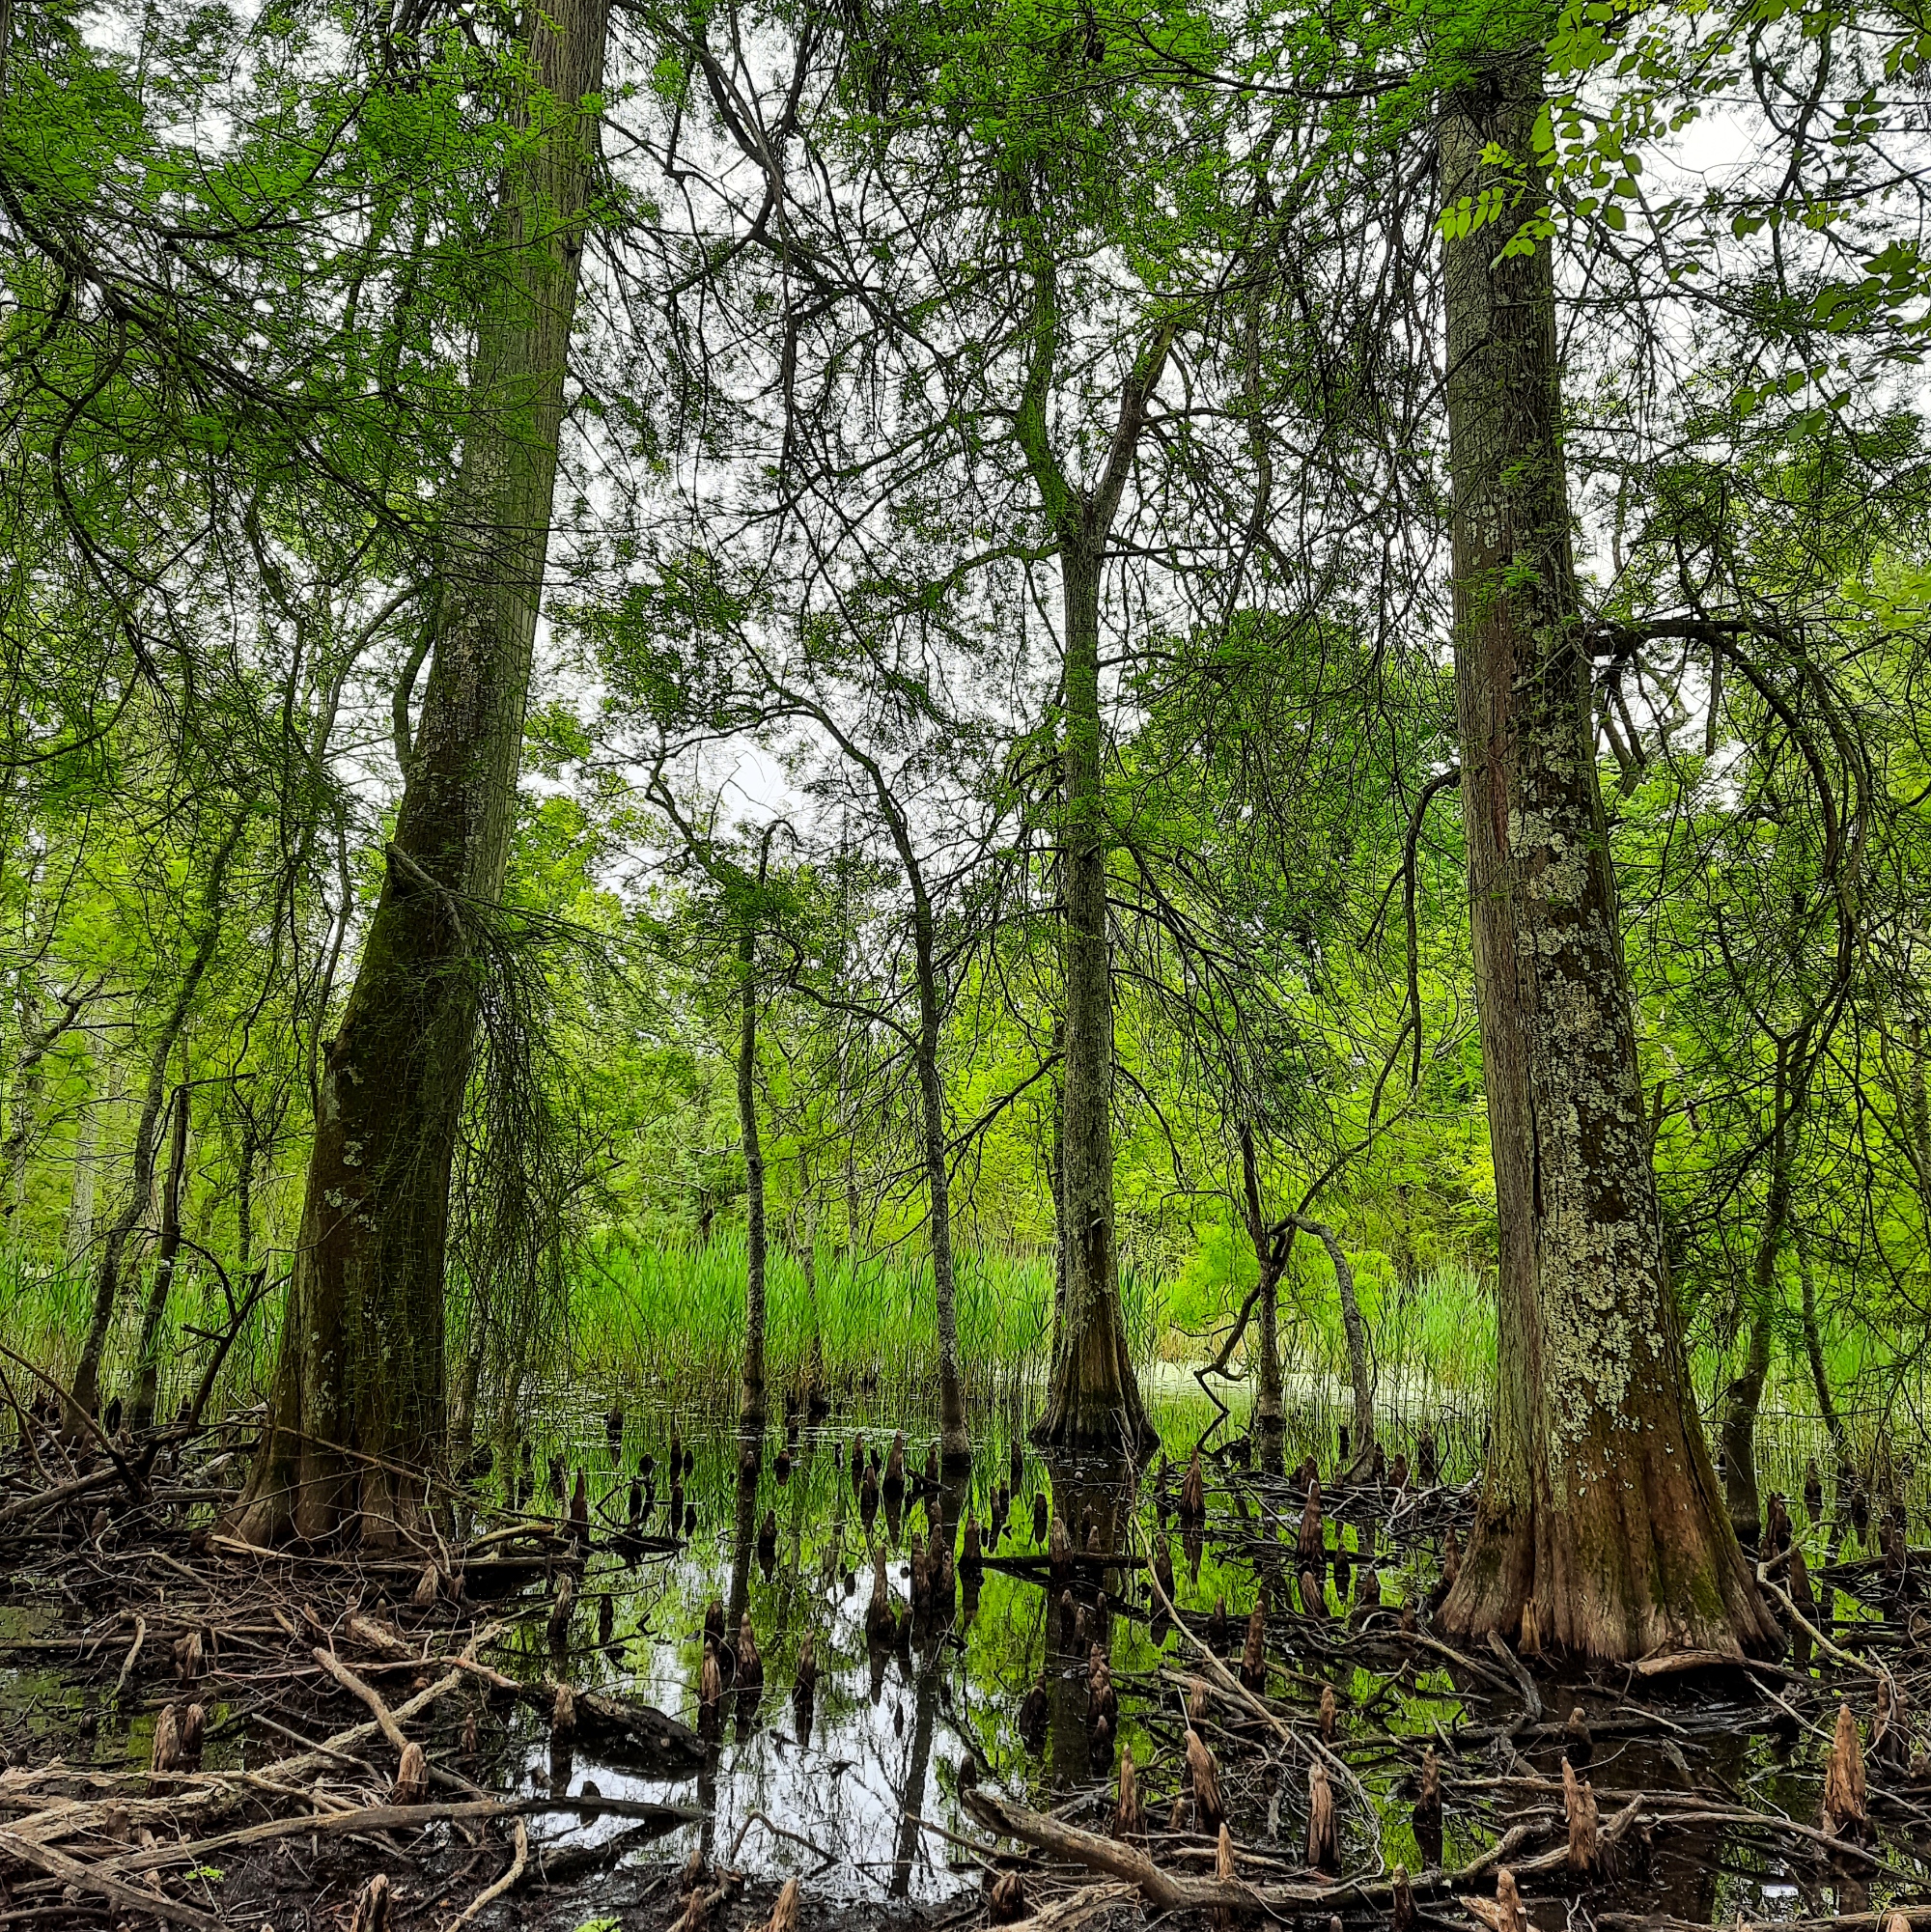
(1093, 1399)
(1601, 1529)
(358, 1408)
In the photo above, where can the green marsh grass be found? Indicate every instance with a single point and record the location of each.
(654, 1316)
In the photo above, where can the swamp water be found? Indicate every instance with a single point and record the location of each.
(856, 1789)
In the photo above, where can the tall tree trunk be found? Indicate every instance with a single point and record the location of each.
(1743, 1403)
(244, 1205)
(1600, 1529)
(359, 1392)
(751, 1403)
(167, 1252)
(1055, 1155)
(848, 1119)
(1094, 1398)
(107, 1277)
(80, 1236)
(1360, 1371)
(23, 1097)
(1270, 1406)
(955, 1444)
(1918, 1126)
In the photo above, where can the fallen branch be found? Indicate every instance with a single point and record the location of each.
(1171, 1892)
(355, 1686)
(50, 1499)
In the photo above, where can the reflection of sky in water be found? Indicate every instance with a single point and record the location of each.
(889, 1729)
(870, 1751)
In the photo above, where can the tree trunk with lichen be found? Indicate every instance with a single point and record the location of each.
(359, 1410)
(1601, 1529)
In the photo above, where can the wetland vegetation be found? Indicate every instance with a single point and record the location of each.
(963, 964)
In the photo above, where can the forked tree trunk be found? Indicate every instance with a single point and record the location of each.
(1093, 1399)
(1601, 1529)
(359, 1410)
(1360, 1370)
(167, 1254)
(955, 1443)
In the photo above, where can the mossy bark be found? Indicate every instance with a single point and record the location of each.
(1093, 1399)
(357, 1421)
(1601, 1516)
